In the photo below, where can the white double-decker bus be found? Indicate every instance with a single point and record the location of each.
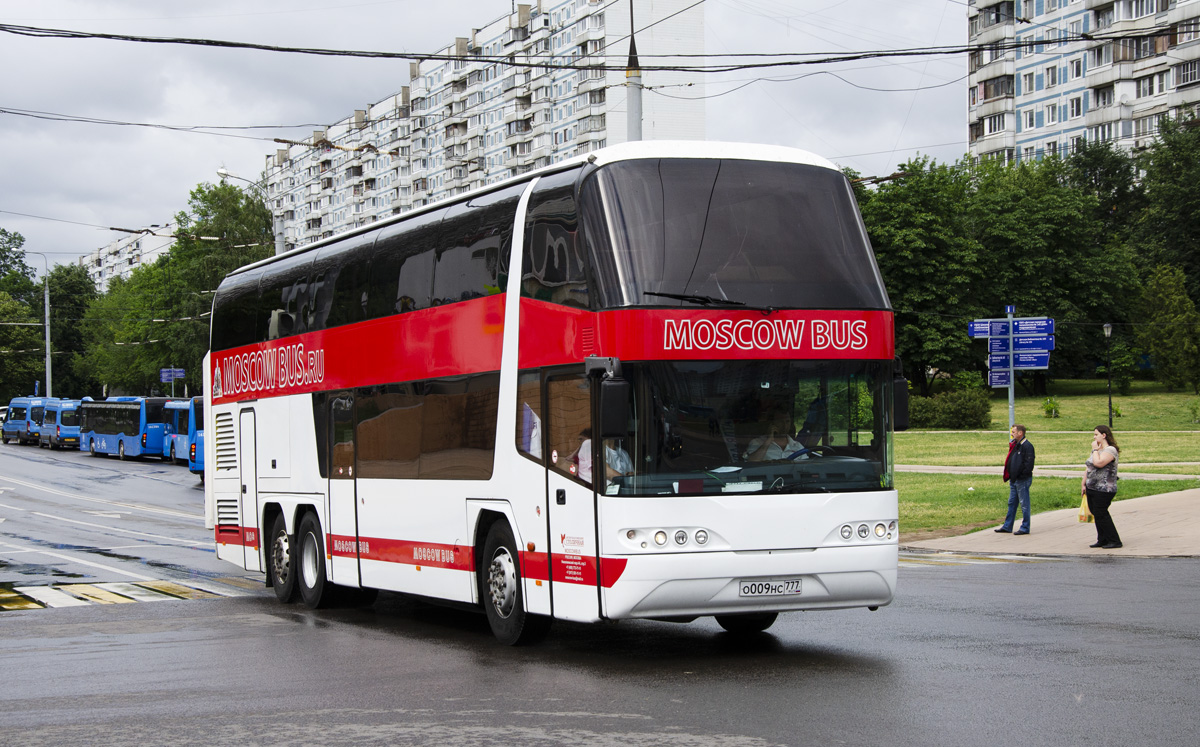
(653, 382)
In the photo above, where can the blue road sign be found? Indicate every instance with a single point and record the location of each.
(170, 374)
(1033, 326)
(999, 378)
(987, 328)
(1000, 344)
(999, 361)
(1031, 360)
(1010, 309)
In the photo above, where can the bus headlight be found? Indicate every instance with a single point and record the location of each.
(681, 537)
(864, 531)
(880, 530)
(660, 537)
(701, 537)
(847, 532)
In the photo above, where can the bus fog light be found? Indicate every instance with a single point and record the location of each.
(681, 537)
(847, 532)
(880, 530)
(864, 531)
(660, 538)
(631, 534)
(892, 525)
(701, 537)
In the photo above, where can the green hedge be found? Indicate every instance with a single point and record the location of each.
(957, 410)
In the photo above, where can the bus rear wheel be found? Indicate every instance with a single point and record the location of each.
(121, 450)
(501, 590)
(752, 623)
(315, 590)
(281, 561)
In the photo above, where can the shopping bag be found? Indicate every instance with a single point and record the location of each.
(1085, 513)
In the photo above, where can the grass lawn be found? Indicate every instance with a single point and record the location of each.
(933, 505)
(981, 448)
(1083, 404)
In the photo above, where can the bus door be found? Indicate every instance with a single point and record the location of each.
(248, 469)
(341, 534)
(570, 500)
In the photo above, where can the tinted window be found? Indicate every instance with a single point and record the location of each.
(529, 414)
(402, 266)
(235, 311)
(475, 235)
(69, 417)
(553, 261)
(51, 418)
(340, 276)
(284, 296)
(760, 233)
(36, 414)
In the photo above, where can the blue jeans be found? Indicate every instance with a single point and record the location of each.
(1018, 491)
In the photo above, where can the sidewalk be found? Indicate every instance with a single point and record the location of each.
(1156, 526)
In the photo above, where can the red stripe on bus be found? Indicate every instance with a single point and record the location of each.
(557, 335)
(231, 535)
(452, 340)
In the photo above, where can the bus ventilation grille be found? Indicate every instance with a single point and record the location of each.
(227, 515)
(226, 443)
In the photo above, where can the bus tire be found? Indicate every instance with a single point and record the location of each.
(281, 561)
(500, 589)
(316, 591)
(5, 439)
(121, 450)
(92, 446)
(755, 622)
(171, 458)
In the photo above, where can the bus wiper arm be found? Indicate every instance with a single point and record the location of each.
(703, 300)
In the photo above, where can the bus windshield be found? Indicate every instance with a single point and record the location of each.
(755, 427)
(680, 231)
(69, 417)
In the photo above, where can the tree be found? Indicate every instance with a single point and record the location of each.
(1171, 227)
(1109, 173)
(1171, 329)
(71, 294)
(21, 349)
(16, 277)
(929, 264)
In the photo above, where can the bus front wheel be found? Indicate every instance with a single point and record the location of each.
(121, 450)
(743, 624)
(315, 590)
(501, 590)
(281, 562)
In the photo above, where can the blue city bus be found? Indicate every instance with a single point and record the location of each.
(176, 436)
(60, 424)
(125, 426)
(195, 450)
(22, 422)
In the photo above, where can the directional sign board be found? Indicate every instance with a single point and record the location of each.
(987, 328)
(1033, 326)
(170, 374)
(1037, 325)
(1000, 344)
(999, 378)
(1031, 360)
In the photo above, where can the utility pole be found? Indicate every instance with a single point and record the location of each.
(46, 299)
(633, 77)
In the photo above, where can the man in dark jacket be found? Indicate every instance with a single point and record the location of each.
(1018, 473)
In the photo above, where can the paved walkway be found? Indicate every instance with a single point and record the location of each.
(1156, 526)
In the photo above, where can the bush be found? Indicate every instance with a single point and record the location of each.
(1051, 408)
(957, 410)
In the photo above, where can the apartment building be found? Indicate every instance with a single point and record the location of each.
(119, 257)
(1049, 74)
(543, 83)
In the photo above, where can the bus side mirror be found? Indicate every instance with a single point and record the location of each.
(899, 403)
(614, 408)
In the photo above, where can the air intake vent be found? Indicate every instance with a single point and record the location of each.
(587, 337)
(226, 443)
(227, 514)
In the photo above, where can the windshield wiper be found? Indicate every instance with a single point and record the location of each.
(703, 300)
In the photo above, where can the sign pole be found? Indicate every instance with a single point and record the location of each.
(1012, 375)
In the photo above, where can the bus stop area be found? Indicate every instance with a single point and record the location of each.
(1154, 526)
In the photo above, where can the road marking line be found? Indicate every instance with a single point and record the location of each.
(117, 504)
(10, 600)
(135, 592)
(218, 589)
(95, 594)
(14, 508)
(178, 590)
(81, 561)
(121, 531)
(50, 596)
(244, 583)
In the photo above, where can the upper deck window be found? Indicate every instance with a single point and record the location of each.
(760, 233)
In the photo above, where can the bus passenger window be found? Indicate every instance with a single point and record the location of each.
(529, 414)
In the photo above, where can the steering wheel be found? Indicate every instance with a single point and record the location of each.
(818, 450)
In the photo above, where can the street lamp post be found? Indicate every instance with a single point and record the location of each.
(46, 300)
(1108, 367)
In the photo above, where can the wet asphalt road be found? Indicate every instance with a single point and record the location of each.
(1054, 652)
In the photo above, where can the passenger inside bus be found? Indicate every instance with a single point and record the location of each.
(617, 462)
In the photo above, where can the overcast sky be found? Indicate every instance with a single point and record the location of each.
(132, 177)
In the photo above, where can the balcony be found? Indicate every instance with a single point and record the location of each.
(999, 33)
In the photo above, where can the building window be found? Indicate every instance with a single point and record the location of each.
(1027, 153)
(1103, 97)
(1027, 83)
(1075, 107)
(1052, 149)
(1101, 133)
(1145, 126)
(1100, 56)
(995, 123)
(1029, 119)
(1187, 31)
(1145, 86)
(1077, 142)
(1076, 68)
(1051, 114)
(1187, 73)
(1052, 76)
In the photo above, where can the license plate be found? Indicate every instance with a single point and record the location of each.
(774, 588)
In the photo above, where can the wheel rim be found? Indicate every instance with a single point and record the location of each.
(121, 449)
(279, 558)
(308, 560)
(502, 582)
